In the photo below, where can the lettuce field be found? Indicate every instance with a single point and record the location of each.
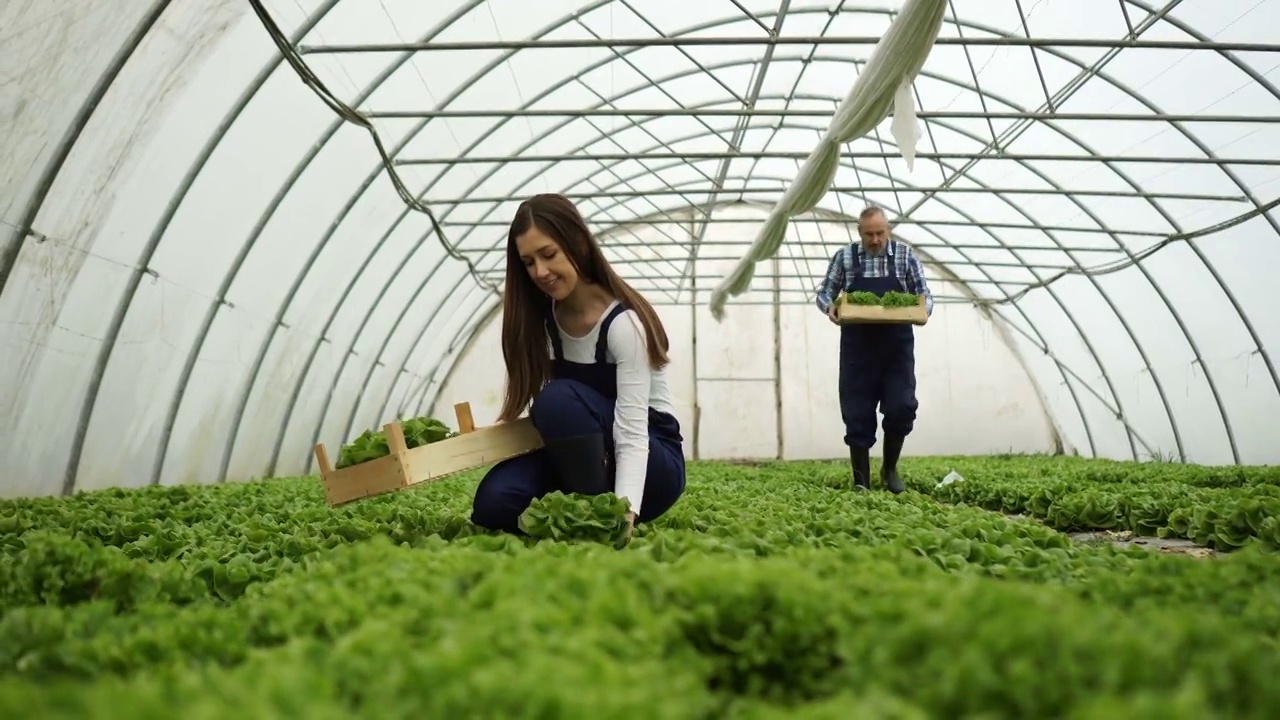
(1023, 590)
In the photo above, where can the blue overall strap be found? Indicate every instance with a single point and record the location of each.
(557, 349)
(602, 341)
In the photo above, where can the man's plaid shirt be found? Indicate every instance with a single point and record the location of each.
(840, 272)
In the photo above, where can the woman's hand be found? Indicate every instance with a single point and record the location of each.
(631, 526)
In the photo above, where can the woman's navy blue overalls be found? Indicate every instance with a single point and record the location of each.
(572, 411)
(877, 365)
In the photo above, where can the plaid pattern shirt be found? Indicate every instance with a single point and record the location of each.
(840, 272)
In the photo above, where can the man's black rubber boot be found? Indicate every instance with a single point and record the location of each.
(860, 458)
(889, 467)
(580, 464)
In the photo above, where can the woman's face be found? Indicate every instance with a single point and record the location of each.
(547, 264)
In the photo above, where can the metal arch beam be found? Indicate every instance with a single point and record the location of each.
(1177, 318)
(377, 357)
(1096, 70)
(871, 11)
(1066, 370)
(811, 112)
(466, 326)
(1142, 352)
(1000, 40)
(1063, 369)
(1066, 311)
(125, 301)
(1144, 443)
(1231, 174)
(1015, 131)
(72, 135)
(1039, 340)
(709, 25)
(1224, 415)
(606, 61)
(448, 375)
(242, 255)
(427, 380)
(305, 271)
(739, 132)
(448, 360)
(337, 222)
(1084, 418)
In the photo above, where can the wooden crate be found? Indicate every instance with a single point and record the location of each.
(850, 314)
(405, 467)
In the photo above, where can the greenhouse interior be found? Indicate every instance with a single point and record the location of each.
(266, 291)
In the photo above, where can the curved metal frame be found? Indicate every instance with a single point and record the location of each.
(127, 297)
(153, 242)
(233, 271)
(1084, 338)
(1123, 248)
(964, 287)
(69, 139)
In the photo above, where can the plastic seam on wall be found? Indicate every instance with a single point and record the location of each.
(233, 273)
(53, 168)
(341, 217)
(125, 302)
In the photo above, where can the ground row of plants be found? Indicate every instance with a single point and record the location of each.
(186, 543)
(561, 630)
(769, 591)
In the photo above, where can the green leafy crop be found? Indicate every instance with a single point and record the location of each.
(588, 518)
(769, 591)
(861, 297)
(899, 299)
(891, 299)
(372, 444)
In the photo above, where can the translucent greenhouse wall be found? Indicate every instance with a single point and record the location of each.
(205, 270)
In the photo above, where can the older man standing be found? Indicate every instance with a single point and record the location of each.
(877, 362)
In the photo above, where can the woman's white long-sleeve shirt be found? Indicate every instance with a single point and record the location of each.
(640, 387)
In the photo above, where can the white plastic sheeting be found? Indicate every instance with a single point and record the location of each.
(218, 272)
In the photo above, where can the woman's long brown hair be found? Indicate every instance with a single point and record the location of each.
(526, 309)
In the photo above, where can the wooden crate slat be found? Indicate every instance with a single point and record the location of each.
(850, 314)
(405, 467)
(477, 448)
(367, 479)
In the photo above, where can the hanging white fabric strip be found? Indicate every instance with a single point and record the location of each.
(885, 82)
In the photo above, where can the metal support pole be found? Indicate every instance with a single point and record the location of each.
(777, 354)
(754, 40)
(693, 340)
(811, 112)
(848, 155)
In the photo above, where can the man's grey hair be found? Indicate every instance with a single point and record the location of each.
(870, 210)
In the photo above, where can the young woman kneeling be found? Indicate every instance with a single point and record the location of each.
(590, 354)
